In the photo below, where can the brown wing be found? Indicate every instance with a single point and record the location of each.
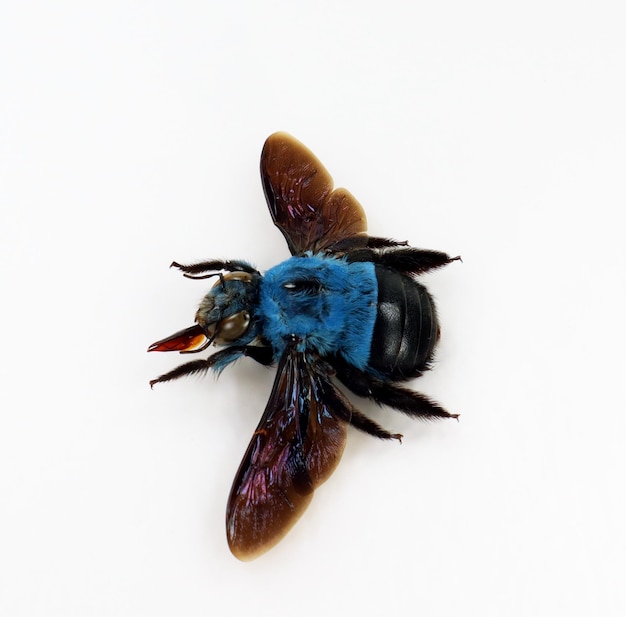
(295, 448)
(300, 196)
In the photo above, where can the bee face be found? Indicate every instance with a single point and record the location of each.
(225, 313)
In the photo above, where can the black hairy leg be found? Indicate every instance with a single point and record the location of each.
(354, 243)
(262, 355)
(189, 368)
(346, 411)
(411, 403)
(374, 242)
(360, 421)
(403, 259)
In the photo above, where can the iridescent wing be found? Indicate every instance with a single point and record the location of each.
(295, 448)
(299, 193)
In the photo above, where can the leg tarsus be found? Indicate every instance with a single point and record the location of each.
(354, 243)
(374, 242)
(218, 362)
(346, 411)
(404, 259)
(411, 403)
(189, 368)
(360, 421)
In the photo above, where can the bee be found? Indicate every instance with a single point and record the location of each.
(344, 307)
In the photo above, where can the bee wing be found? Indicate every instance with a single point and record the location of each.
(299, 193)
(295, 448)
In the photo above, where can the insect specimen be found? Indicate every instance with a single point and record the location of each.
(345, 305)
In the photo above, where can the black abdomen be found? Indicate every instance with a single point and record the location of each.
(406, 328)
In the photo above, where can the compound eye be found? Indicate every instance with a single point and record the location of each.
(232, 327)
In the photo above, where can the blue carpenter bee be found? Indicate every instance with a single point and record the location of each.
(345, 305)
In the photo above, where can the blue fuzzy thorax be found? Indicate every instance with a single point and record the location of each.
(326, 302)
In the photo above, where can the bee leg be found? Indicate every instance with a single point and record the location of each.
(353, 243)
(408, 260)
(381, 243)
(416, 261)
(409, 402)
(218, 362)
(189, 368)
(214, 267)
(414, 404)
(360, 421)
(347, 412)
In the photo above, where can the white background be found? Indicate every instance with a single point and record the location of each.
(129, 136)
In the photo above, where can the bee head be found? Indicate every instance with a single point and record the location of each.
(226, 313)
